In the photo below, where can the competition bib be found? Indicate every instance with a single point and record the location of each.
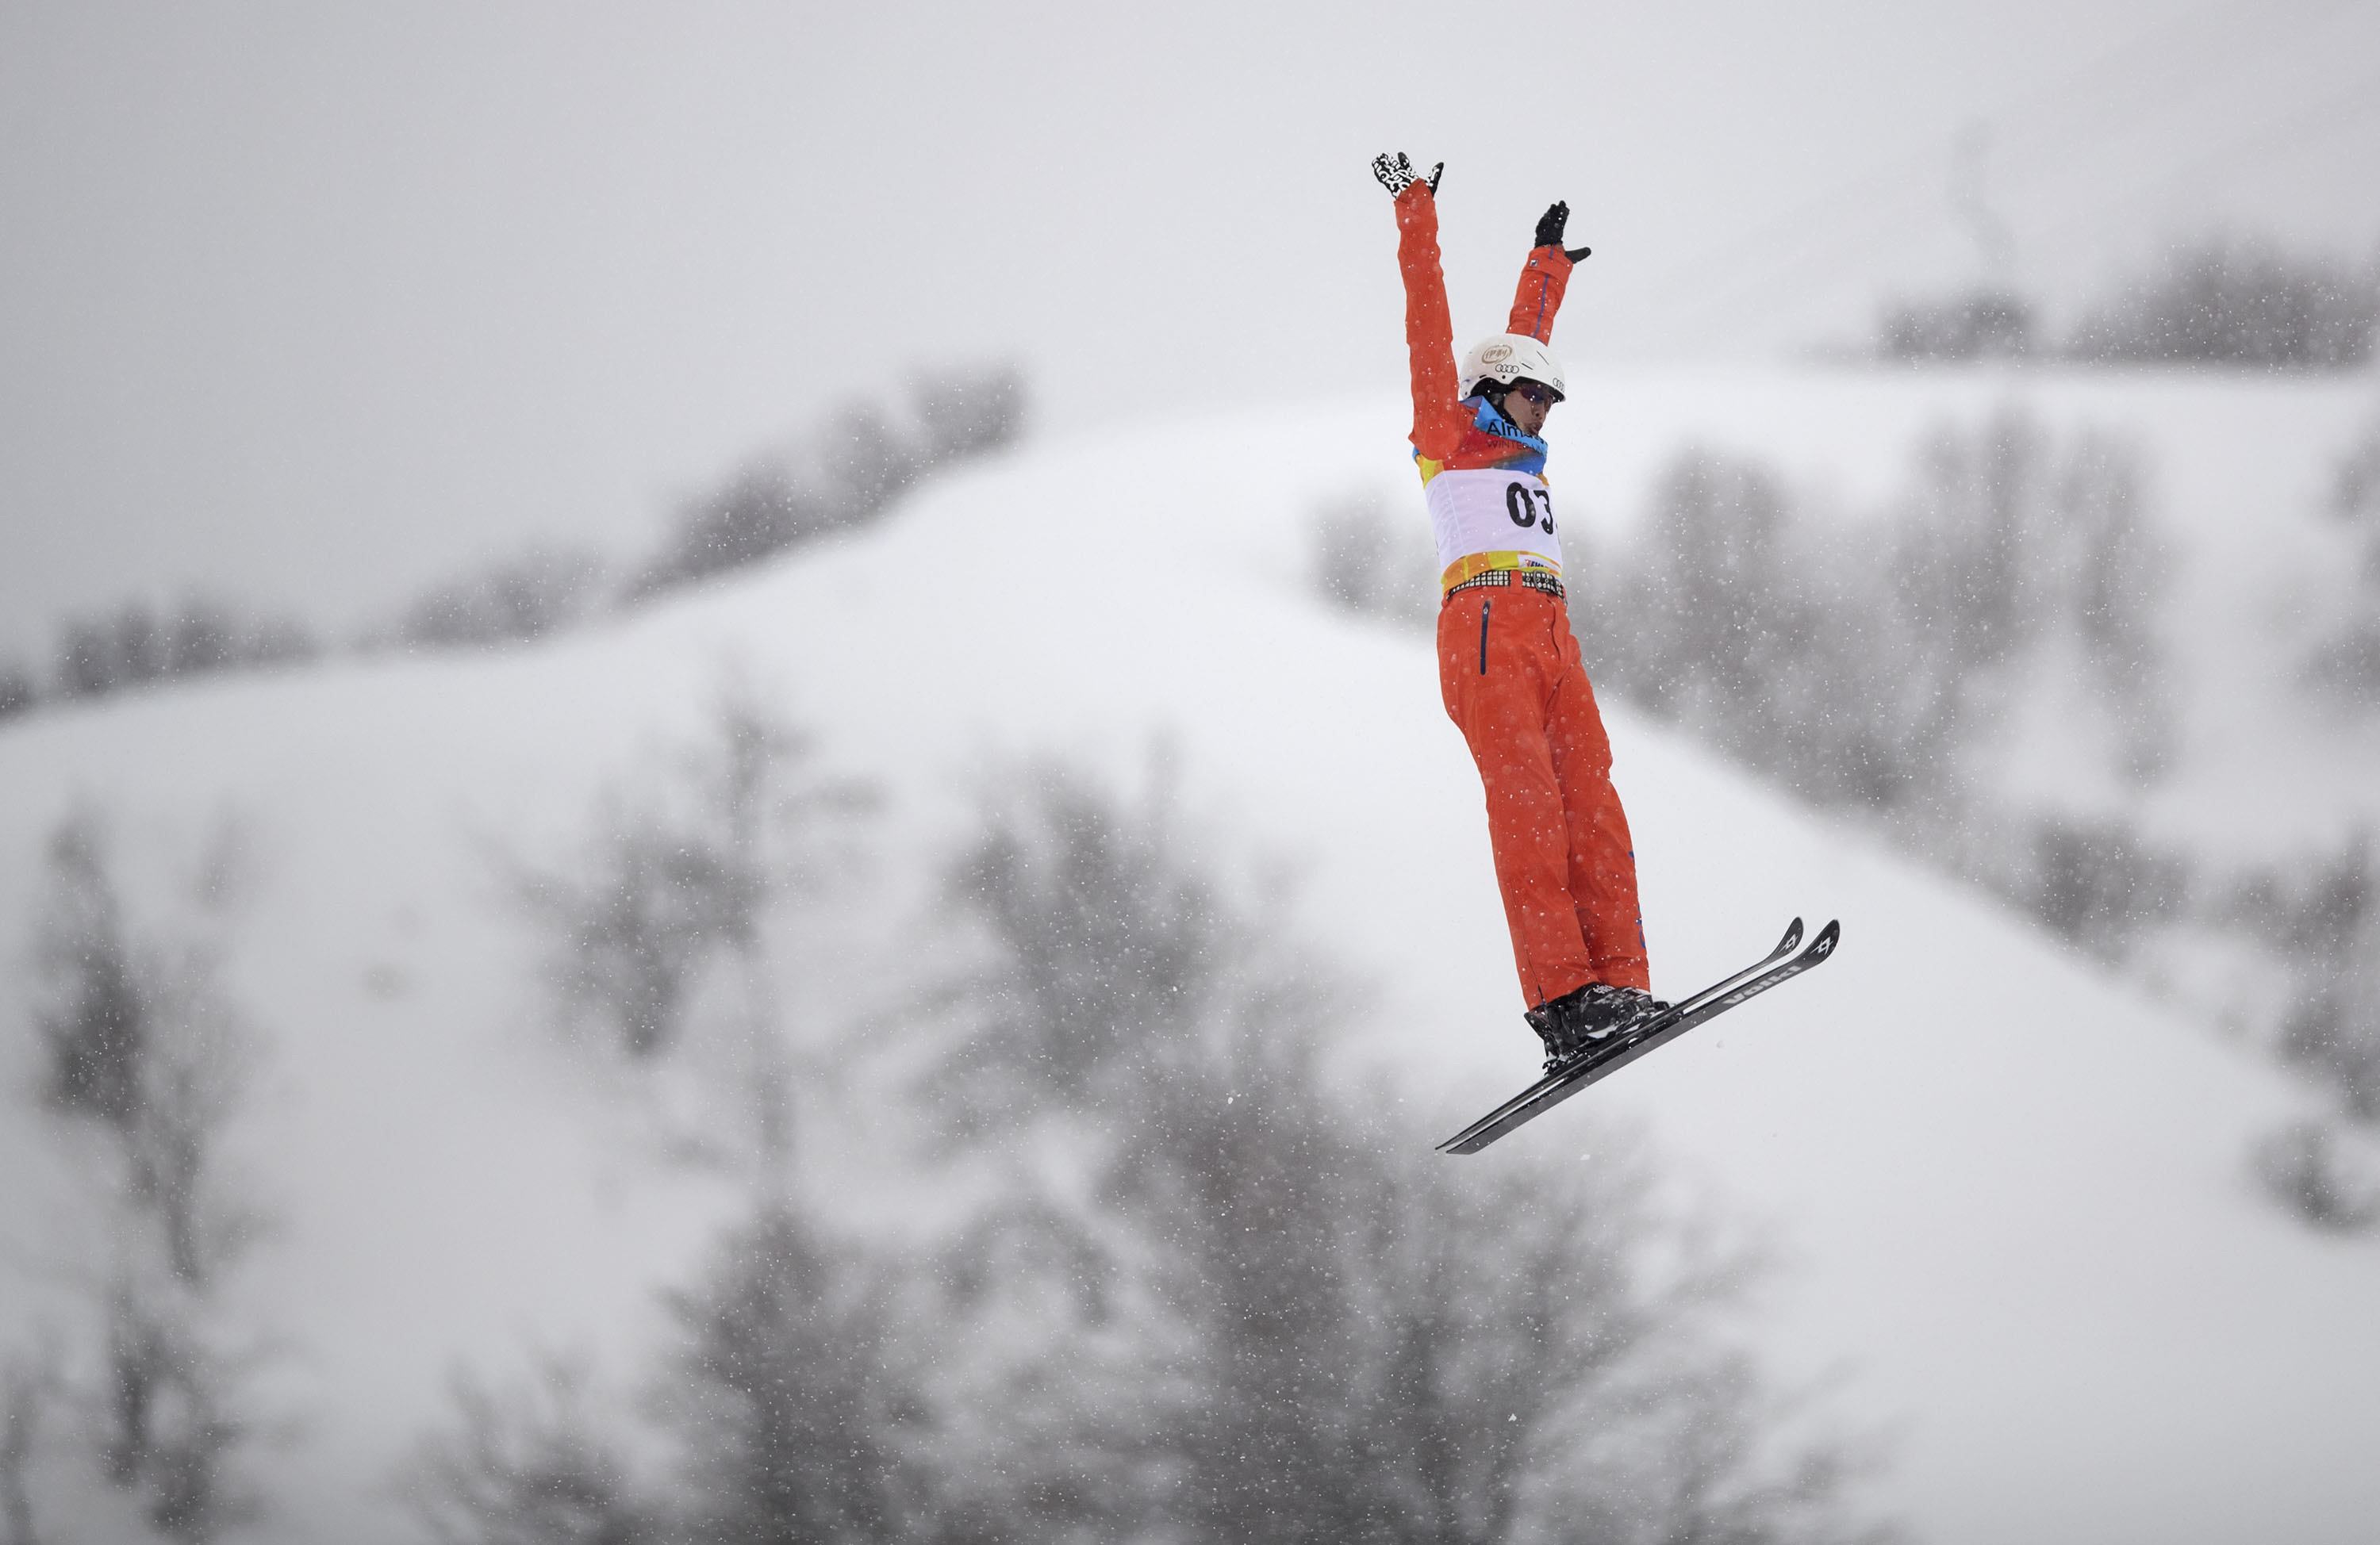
(1486, 511)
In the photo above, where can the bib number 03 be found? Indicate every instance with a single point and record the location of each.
(1527, 505)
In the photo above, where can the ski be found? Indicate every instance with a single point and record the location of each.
(1672, 1022)
(1687, 1006)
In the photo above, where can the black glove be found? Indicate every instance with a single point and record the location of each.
(1550, 230)
(1396, 174)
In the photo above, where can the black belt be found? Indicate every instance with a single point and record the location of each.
(1534, 579)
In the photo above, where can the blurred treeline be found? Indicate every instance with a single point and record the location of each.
(1135, 1265)
(841, 474)
(2223, 301)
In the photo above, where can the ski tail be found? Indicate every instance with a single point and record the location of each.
(1820, 948)
(1683, 1005)
(1786, 946)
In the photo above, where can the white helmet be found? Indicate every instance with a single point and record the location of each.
(1510, 356)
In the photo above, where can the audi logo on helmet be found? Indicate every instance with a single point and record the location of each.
(1508, 358)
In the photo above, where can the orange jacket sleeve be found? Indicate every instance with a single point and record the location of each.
(1438, 418)
(1543, 280)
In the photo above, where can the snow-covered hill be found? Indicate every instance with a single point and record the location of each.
(2008, 1198)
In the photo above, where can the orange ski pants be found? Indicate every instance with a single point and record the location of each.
(1513, 684)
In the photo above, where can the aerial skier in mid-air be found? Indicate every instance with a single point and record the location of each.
(1509, 668)
(1506, 662)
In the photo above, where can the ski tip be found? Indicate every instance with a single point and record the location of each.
(1792, 937)
(1829, 936)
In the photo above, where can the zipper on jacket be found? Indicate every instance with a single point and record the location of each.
(1485, 602)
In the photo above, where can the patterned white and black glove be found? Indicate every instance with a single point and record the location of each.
(1550, 230)
(1396, 174)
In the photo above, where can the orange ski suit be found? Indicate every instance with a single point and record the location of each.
(1508, 664)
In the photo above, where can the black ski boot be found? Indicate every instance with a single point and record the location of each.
(1595, 1015)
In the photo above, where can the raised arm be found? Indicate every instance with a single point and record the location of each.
(1544, 278)
(1438, 418)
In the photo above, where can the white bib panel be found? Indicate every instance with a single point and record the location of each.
(1485, 510)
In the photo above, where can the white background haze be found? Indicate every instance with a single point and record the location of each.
(314, 305)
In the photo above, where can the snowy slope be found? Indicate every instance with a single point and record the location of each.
(2025, 1241)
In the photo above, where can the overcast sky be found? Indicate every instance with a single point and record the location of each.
(310, 304)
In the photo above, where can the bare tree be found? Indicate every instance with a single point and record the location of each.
(2307, 1168)
(678, 876)
(968, 412)
(92, 1010)
(1366, 560)
(843, 476)
(2327, 923)
(147, 1046)
(139, 643)
(20, 693)
(803, 1423)
(31, 1385)
(144, 1040)
(2114, 573)
(1981, 322)
(171, 1428)
(534, 1466)
(2233, 300)
(669, 921)
(540, 592)
(1262, 1319)
(1101, 951)
(2346, 662)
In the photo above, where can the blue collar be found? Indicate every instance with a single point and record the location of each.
(1493, 422)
